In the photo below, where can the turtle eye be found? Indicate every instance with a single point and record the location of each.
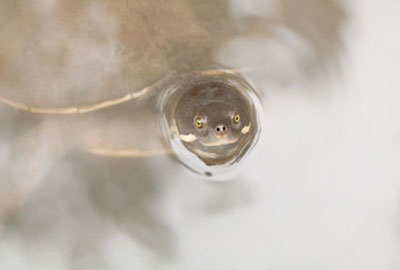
(236, 118)
(198, 122)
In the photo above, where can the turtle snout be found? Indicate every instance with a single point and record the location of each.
(221, 130)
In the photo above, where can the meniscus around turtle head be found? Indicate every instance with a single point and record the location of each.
(211, 121)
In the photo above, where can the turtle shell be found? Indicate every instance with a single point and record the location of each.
(74, 54)
(77, 56)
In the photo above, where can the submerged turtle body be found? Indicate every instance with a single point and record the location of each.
(63, 57)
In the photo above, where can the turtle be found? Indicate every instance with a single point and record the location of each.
(118, 78)
(62, 57)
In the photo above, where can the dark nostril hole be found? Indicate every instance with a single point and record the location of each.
(221, 128)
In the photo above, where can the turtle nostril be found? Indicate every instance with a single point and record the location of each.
(221, 129)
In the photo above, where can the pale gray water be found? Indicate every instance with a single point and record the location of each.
(321, 191)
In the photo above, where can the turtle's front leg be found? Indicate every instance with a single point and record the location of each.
(30, 146)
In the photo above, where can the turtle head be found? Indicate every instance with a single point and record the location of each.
(211, 120)
(214, 122)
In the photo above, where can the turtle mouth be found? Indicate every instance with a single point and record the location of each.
(216, 152)
(224, 141)
(190, 138)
